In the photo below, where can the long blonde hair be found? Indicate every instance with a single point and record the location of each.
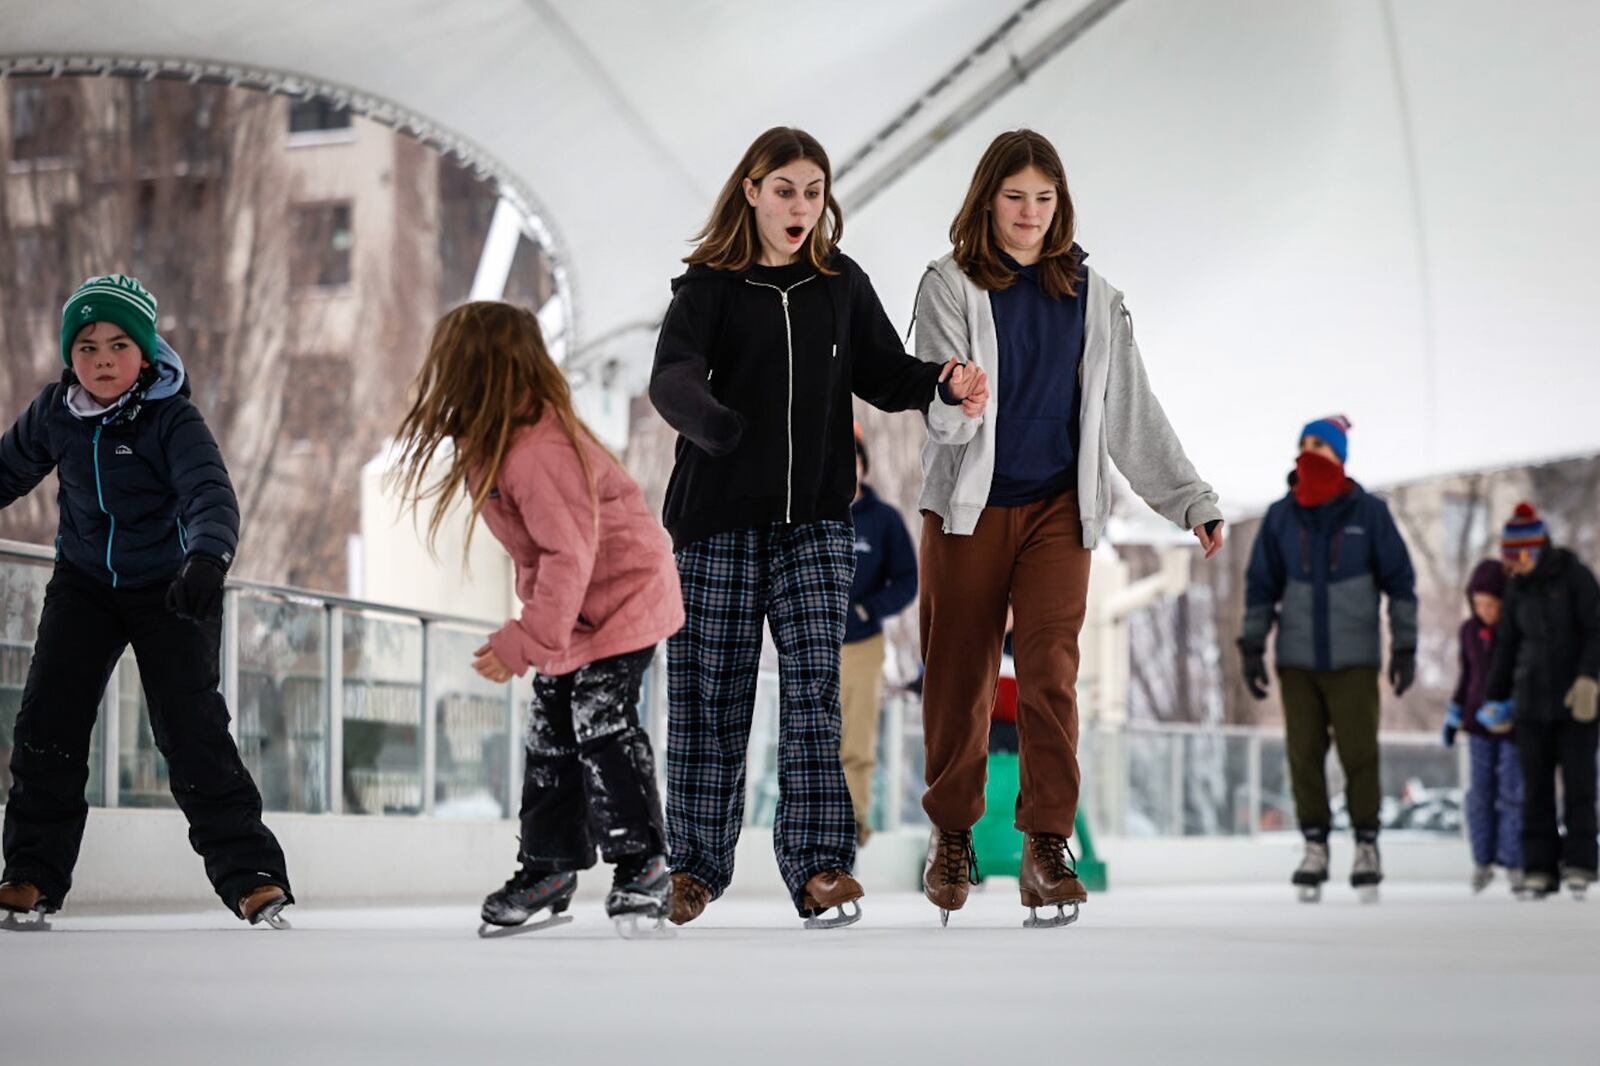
(728, 240)
(487, 373)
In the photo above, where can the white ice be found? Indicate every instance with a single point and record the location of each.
(1171, 976)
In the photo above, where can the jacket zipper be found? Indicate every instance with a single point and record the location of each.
(100, 498)
(788, 339)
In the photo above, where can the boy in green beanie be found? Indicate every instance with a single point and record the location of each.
(149, 526)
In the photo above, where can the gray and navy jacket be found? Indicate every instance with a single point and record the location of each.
(1317, 572)
(142, 486)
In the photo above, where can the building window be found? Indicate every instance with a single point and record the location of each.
(316, 401)
(317, 115)
(43, 120)
(320, 255)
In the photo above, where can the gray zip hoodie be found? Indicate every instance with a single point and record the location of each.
(1120, 419)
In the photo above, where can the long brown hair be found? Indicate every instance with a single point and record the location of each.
(972, 233)
(487, 373)
(729, 241)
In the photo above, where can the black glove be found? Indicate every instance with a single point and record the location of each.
(1402, 670)
(196, 592)
(1255, 673)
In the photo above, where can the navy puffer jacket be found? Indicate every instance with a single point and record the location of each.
(142, 486)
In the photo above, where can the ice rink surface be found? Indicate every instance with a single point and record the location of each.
(1173, 976)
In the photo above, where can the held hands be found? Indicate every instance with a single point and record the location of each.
(1452, 723)
(488, 665)
(1583, 699)
(968, 383)
(1210, 537)
(1497, 715)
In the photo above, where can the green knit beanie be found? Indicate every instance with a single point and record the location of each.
(115, 298)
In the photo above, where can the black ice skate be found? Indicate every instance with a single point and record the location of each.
(640, 897)
(1577, 882)
(506, 911)
(1312, 872)
(1536, 884)
(23, 908)
(1367, 871)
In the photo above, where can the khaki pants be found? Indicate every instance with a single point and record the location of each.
(1341, 706)
(860, 688)
(1032, 557)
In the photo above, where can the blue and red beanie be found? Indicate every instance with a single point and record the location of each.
(1525, 532)
(1333, 431)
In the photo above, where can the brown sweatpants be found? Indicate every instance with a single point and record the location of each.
(1032, 557)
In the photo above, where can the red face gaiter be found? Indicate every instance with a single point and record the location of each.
(1318, 480)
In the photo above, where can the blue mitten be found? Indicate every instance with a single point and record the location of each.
(1497, 715)
(1452, 723)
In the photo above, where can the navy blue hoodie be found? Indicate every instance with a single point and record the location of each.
(141, 485)
(886, 567)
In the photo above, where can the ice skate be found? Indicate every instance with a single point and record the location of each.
(950, 871)
(1049, 878)
(265, 904)
(23, 908)
(1536, 884)
(1515, 879)
(1312, 872)
(1482, 876)
(1367, 870)
(831, 889)
(640, 898)
(506, 910)
(1577, 882)
(687, 900)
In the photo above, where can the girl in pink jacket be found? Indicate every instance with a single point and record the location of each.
(599, 590)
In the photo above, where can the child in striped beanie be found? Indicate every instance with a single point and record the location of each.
(1523, 540)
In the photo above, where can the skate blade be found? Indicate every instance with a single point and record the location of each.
(25, 922)
(1054, 921)
(489, 931)
(838, 921)
(271, 916)
(1367, 893)
(944, 918)
(1310, 893)
(643, 927)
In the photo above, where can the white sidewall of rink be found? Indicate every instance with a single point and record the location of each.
(139, 859)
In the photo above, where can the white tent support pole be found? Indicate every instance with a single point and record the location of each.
(499, 250)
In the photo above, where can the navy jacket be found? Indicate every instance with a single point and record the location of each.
(1317, 573)
(140, 487)
(886, 567)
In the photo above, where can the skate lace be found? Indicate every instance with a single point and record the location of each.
(1367, 856)
(956, 858)
(1053, 852)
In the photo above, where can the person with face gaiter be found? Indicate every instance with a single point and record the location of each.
(1324, 555)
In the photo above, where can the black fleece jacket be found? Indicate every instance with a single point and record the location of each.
(755, 369)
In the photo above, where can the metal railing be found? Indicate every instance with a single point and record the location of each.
(347, 706)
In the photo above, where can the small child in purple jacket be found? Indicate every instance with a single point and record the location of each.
(1494, 802)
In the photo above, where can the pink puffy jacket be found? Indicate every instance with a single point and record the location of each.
(582, 599)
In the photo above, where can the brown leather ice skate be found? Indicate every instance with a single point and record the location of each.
(1049, 878)
(689, 898)
(264, 903)
(827, 890)
(23, 906)
(950, 871)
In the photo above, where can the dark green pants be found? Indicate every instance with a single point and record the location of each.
(1341, 705)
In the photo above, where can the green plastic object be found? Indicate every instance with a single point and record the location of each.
(998, 842)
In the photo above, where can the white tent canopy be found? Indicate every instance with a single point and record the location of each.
(1383, 208)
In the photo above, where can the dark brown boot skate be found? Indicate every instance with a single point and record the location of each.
(830, 889)
(23, 907)
(689, 898)
(1049, 878)
(950, 871)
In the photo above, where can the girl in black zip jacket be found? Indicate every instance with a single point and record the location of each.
(770, 331)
